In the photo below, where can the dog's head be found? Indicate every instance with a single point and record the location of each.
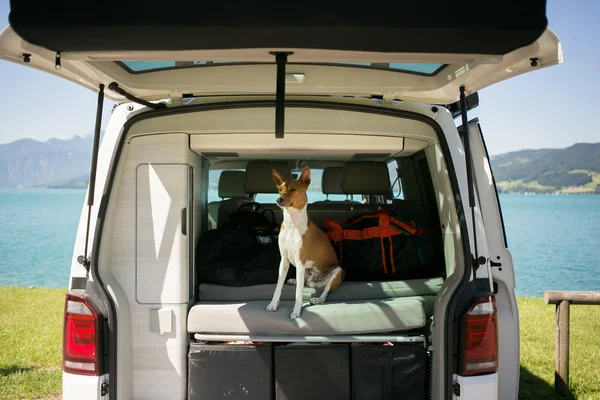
(292, 193)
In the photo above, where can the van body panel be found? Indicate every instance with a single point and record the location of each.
(152, 335)
(162, 198)
(453, 239)
(501, 268)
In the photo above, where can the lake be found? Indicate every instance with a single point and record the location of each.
(553, 239)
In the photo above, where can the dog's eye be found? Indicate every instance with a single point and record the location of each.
(292, 190)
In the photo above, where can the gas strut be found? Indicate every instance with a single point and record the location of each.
(114, 86)
(83, 259)
(281, 60)
(469, 161)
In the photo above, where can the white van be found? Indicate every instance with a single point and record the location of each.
(367, 97)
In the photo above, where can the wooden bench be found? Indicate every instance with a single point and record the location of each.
(563, 300)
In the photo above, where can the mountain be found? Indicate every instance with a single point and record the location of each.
(574, 169)
(30, 163)
(60, 163)
(77, 182)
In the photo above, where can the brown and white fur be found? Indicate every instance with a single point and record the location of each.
(303, 244)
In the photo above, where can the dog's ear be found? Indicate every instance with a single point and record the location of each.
(277, 178)
(305, 176)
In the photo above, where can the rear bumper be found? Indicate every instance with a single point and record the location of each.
(80, 387)
(477, 387)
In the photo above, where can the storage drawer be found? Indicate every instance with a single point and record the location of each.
(312, 372)
(388, 372)
(230, 372)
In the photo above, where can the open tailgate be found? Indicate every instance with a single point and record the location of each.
(412, 51)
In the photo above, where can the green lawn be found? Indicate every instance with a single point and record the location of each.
(537, 350)
(31, 330)
(30, 342)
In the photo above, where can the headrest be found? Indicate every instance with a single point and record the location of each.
(331, 182)
(231, 185)
(259, 176)
(366, 177)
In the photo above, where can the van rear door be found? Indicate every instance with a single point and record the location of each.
(411, 51)
(500, 263)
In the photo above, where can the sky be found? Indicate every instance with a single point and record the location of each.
(550, 108)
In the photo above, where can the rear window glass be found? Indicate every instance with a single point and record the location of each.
(136, 67)
(395, 181)
(315, 192)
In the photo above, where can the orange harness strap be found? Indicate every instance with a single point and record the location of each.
(388, 227)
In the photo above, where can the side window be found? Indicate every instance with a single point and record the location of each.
(213, 184)
(395, 181)
(315, 190)
(266, 198)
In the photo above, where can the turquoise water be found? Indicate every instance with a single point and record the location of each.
(37, 233)
(553, 239)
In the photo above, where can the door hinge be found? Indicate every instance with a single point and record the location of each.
(456, 388)
(176, 97)
(388, 97)
(104, 388)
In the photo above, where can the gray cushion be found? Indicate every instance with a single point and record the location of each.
(331, 181)
(366, 177)
(231, 185)
(259, 176)
(352, 317)
(347, 291)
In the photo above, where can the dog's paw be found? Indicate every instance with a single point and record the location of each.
(315, 301)
(291, 281)
(272, 306)
(295, 314)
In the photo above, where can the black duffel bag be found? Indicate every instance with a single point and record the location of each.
(243, 252)
(379, 246)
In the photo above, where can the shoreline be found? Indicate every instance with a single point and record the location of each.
(555, 193)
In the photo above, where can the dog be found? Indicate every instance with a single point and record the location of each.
(303, 244)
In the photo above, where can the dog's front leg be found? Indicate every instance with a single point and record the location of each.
(284, 266)
(300, 271)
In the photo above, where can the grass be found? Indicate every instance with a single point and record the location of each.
(537, 350)
(31, 331)
(595, 181)
(30, 342)
(519, 186)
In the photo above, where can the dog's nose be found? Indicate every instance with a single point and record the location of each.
(280, 201)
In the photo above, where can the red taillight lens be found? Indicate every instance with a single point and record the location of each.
(480, 342)
(80, 337)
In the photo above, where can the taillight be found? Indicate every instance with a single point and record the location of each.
(480, 342)
(81, 341)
